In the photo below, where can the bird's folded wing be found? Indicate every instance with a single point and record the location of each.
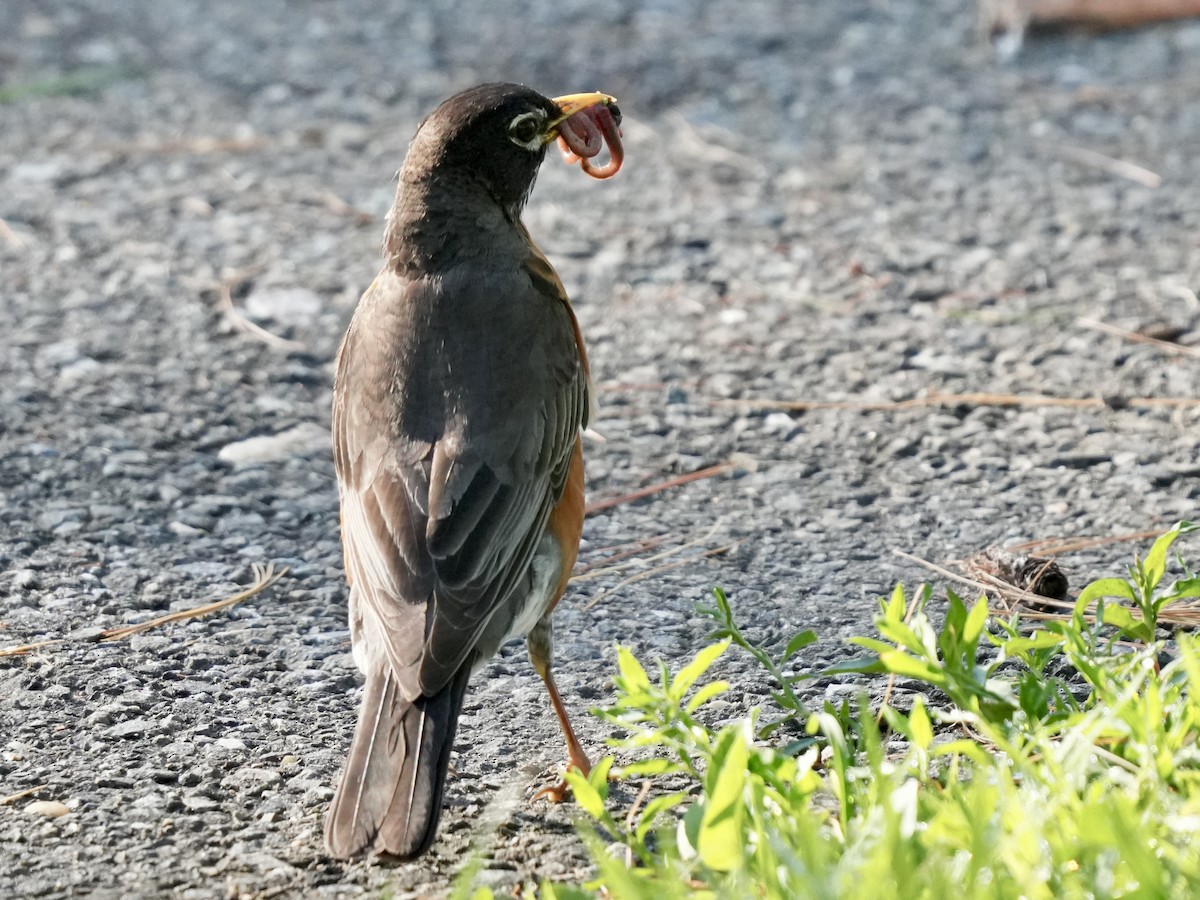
(439, 537)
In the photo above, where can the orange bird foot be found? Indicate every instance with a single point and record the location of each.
(557, 793)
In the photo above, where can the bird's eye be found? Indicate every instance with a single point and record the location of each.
(526, 130)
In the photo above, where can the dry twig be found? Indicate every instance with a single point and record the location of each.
(22, 649)
(1003, 597)
(1124, 334)
(1063, 546)
(264, 577)
(340, 207)
(1109, 13)
(991, 587)
(607, 567)
(940, 570)
(9, 236)
(658, 570)
(937, 398)
(240, 322)
(706, 146)
(13, 798)
(635, 808)
(1006, 21)
(1113, 166)
(650, 490)
(618, 552)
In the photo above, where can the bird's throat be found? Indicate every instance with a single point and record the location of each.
(431, 227)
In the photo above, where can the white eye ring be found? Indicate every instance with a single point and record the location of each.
(518, 129)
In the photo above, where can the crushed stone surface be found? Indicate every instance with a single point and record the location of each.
(821, 202)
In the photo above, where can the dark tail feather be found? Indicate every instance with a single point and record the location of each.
(390, 794)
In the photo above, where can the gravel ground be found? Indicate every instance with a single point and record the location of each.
(821, 202)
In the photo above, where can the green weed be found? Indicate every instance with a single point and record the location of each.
(1061, 762)
(81, 81)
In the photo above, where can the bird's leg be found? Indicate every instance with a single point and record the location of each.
(541, 646)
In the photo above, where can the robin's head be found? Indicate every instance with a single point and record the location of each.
(494, 136)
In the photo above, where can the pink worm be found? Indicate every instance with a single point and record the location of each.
(584, 135)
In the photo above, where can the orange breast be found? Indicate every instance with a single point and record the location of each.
(566, 521)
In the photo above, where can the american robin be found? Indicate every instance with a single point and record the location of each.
(461, 390)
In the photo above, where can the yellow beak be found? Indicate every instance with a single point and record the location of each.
(573, 103)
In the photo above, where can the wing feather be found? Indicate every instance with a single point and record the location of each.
(447, 483)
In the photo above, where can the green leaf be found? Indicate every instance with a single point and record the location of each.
(964, 747)
(548, 890)
(698, 666)
(723, 607)
(649, 768)
(1185, 587)
(956, 615)
(466, 879)
(81, 81)
(1039, 640)
(975, 623)
(897, 662)
(1155, 565)
(900, 634)
(720, 838)
(872, 644)
(631, 670)
(585, 794)
(688, 837)
(1189, 658)
(653, 809)
(862, 665)
(706, 693)
(798, 643)
(1105, 587)
(920, 726)
(1121, 617)
(894, 607)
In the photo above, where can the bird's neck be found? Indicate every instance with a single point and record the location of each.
(432, 226)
